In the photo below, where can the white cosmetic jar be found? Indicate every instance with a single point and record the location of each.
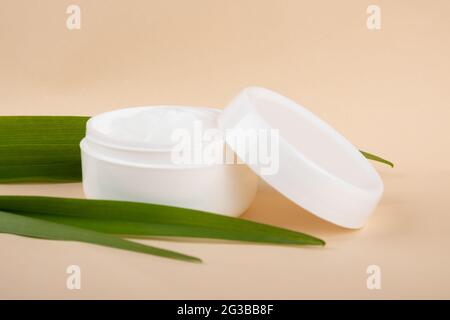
(127, 154)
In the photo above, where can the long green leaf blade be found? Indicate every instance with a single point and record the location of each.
(132, 218)
(40, 148)
(46, 148)
(47, 130)
(32, 227)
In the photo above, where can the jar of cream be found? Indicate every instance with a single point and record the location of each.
(137, 154)
(177, 156)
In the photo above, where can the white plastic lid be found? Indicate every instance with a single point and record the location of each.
(317, 167)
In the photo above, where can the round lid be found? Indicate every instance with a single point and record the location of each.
(301, 156)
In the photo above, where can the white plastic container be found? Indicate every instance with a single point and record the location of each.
(310, 163)
(124, 158)
(319, 169)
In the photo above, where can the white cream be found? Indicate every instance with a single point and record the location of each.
(154, 127)
(127, 155)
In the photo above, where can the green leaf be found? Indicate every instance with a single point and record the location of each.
(46, 148)
(32, 227)
(376, 158)
(141, 219)
(26, 130)
(40, 148)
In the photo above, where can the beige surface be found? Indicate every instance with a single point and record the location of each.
(387, 91)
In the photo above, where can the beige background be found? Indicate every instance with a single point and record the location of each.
(387, 91)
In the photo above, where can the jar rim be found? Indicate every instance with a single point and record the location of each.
(95, 126)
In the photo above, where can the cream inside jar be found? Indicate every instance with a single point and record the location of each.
(150, 136)
(150, 127)
(127, 154)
